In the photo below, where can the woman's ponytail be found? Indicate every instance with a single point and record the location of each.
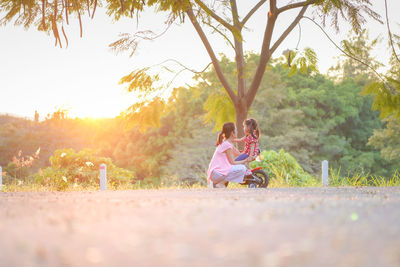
(226, 132)
(219, 138)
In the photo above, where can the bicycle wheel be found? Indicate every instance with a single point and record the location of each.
(261, 174)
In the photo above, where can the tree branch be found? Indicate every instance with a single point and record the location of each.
(214, 15)
(390, 33)
(296, 5)
(183, 69)
(211, 53)
(221, 33)
(252, 11)
(289, 29)
(180, 64)
(347, 54)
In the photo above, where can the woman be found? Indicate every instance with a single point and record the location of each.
(223, 168)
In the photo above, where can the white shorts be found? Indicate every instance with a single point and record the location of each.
(236, 175)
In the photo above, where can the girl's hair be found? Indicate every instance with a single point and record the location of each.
(254, 131)
(226, 132)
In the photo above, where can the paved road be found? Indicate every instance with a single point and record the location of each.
(205, 227)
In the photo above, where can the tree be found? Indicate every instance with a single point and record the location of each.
(386, 89)
(360, 46)
(388, 139)
(386, 93)
(223, 18)
(388, 101)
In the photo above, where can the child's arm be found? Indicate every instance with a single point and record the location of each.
(239, 139)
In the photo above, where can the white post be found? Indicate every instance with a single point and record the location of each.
(1, 178)
(324, 176)
(103, 176)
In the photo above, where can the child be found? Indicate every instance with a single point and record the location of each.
(252, 134)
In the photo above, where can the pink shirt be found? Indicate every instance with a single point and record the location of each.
(219, 161)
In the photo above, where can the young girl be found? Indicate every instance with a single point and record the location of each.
(252, 134)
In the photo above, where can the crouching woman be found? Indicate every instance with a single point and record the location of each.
(223, 168)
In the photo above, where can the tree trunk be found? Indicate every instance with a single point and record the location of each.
(241, 115)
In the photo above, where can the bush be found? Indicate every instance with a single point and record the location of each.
(283, 169)
(70, 168)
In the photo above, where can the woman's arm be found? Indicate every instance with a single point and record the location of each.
(230, 155)
(235, 151)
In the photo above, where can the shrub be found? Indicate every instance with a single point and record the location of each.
(283, 169)
(20, 168)
(80, 168)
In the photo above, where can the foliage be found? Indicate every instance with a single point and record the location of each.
(386, 97)
(283, 167)
(19, 168)
(335, 10)
(361, 179)
(302, 61)
(80, 168)
(139, 81)
(309, 116)
(359, 47)
(386, 90)
(149, 151)
(219, 108)
(179, 170)
(345, 121)
(387, 139)
(145, 114)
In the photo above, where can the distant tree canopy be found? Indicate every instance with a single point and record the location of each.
(385, 92)
(222, 17)
(388, 139)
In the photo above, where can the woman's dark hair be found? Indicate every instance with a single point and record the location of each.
(254, 131)
(226, 132)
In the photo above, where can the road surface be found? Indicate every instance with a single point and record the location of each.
(202, 227)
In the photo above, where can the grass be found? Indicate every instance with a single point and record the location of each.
(363, 180)
(277, 181)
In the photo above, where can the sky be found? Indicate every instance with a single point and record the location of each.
(83, 78)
